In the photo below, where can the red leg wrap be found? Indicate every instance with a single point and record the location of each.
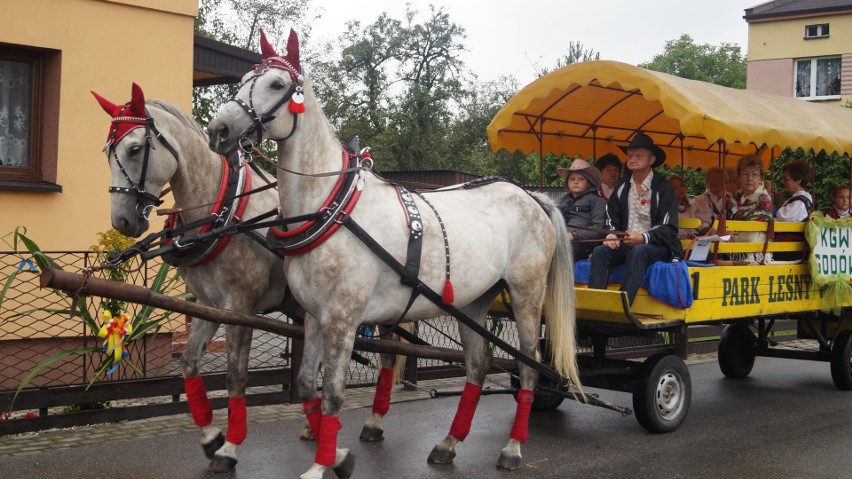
(464, 415)
(381, 403)
(313, 412)
(199, 405)
(327, 443)
(237, 429)
(522, 416)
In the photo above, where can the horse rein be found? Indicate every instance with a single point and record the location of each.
(138, 188)
(363, 153)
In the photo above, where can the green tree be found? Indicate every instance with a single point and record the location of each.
(576, 53)
(356, 89)
(431, 74)
(724, 64)
(399, 85)
(467, 140)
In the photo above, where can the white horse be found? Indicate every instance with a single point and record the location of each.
(150, 144)
(496, 235)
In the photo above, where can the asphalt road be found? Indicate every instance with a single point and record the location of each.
(787, 420)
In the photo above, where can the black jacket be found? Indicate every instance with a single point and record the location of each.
(663, 230)
(588, 209)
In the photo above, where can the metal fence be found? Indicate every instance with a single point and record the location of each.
(35, 326)
(38, 334)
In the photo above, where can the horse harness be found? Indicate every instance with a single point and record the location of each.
(227, 210)
(137, 188)
(294, 94)
(319, 226)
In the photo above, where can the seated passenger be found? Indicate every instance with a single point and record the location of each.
(712, 203)
(751, 203)
(797, 207)
(642, 214)
(839, 203)
(610, 167)
(582, 206)
(685, 209)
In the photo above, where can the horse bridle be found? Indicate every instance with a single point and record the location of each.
(258, 120)
(144, 201)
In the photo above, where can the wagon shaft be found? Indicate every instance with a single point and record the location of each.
(72, 283)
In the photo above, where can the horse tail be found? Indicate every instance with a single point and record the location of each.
(399, 363)
(559, 302)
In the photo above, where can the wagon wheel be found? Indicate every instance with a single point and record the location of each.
(841, 362)
(736, 351)
(544, 397)
(662, 393)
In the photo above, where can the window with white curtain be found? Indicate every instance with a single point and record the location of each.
(817, 78)
(29, 82)
(15, 113)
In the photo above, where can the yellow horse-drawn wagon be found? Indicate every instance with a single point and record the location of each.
(592, 108)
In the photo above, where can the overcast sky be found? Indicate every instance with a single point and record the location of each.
(511, 37)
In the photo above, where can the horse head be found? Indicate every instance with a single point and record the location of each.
(139, 169)
(256, 112)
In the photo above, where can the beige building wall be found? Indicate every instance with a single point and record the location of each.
(775, 44)
(776, 39)
(105, 46)
(771, 76)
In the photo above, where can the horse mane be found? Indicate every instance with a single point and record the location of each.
(181, 115)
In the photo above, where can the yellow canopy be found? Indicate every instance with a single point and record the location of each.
(592, 108)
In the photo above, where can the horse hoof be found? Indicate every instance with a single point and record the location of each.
(509, 462)
(211, 447)
(306, 434)
(440, 455)
(372, 434)
(222, 464)
(345, 468)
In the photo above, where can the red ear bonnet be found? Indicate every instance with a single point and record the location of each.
(125, 118)
(293, 50)
(271, 58)
(266, 49)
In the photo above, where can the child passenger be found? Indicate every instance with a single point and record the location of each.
(839, 203)
(582, 206)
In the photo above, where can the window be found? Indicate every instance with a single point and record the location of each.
(27, 154)
(816, 31)
(818, 78)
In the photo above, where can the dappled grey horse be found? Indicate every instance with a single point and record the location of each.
(154, 143)
(474, 242)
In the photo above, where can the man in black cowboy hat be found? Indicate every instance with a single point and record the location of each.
(642, 213)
